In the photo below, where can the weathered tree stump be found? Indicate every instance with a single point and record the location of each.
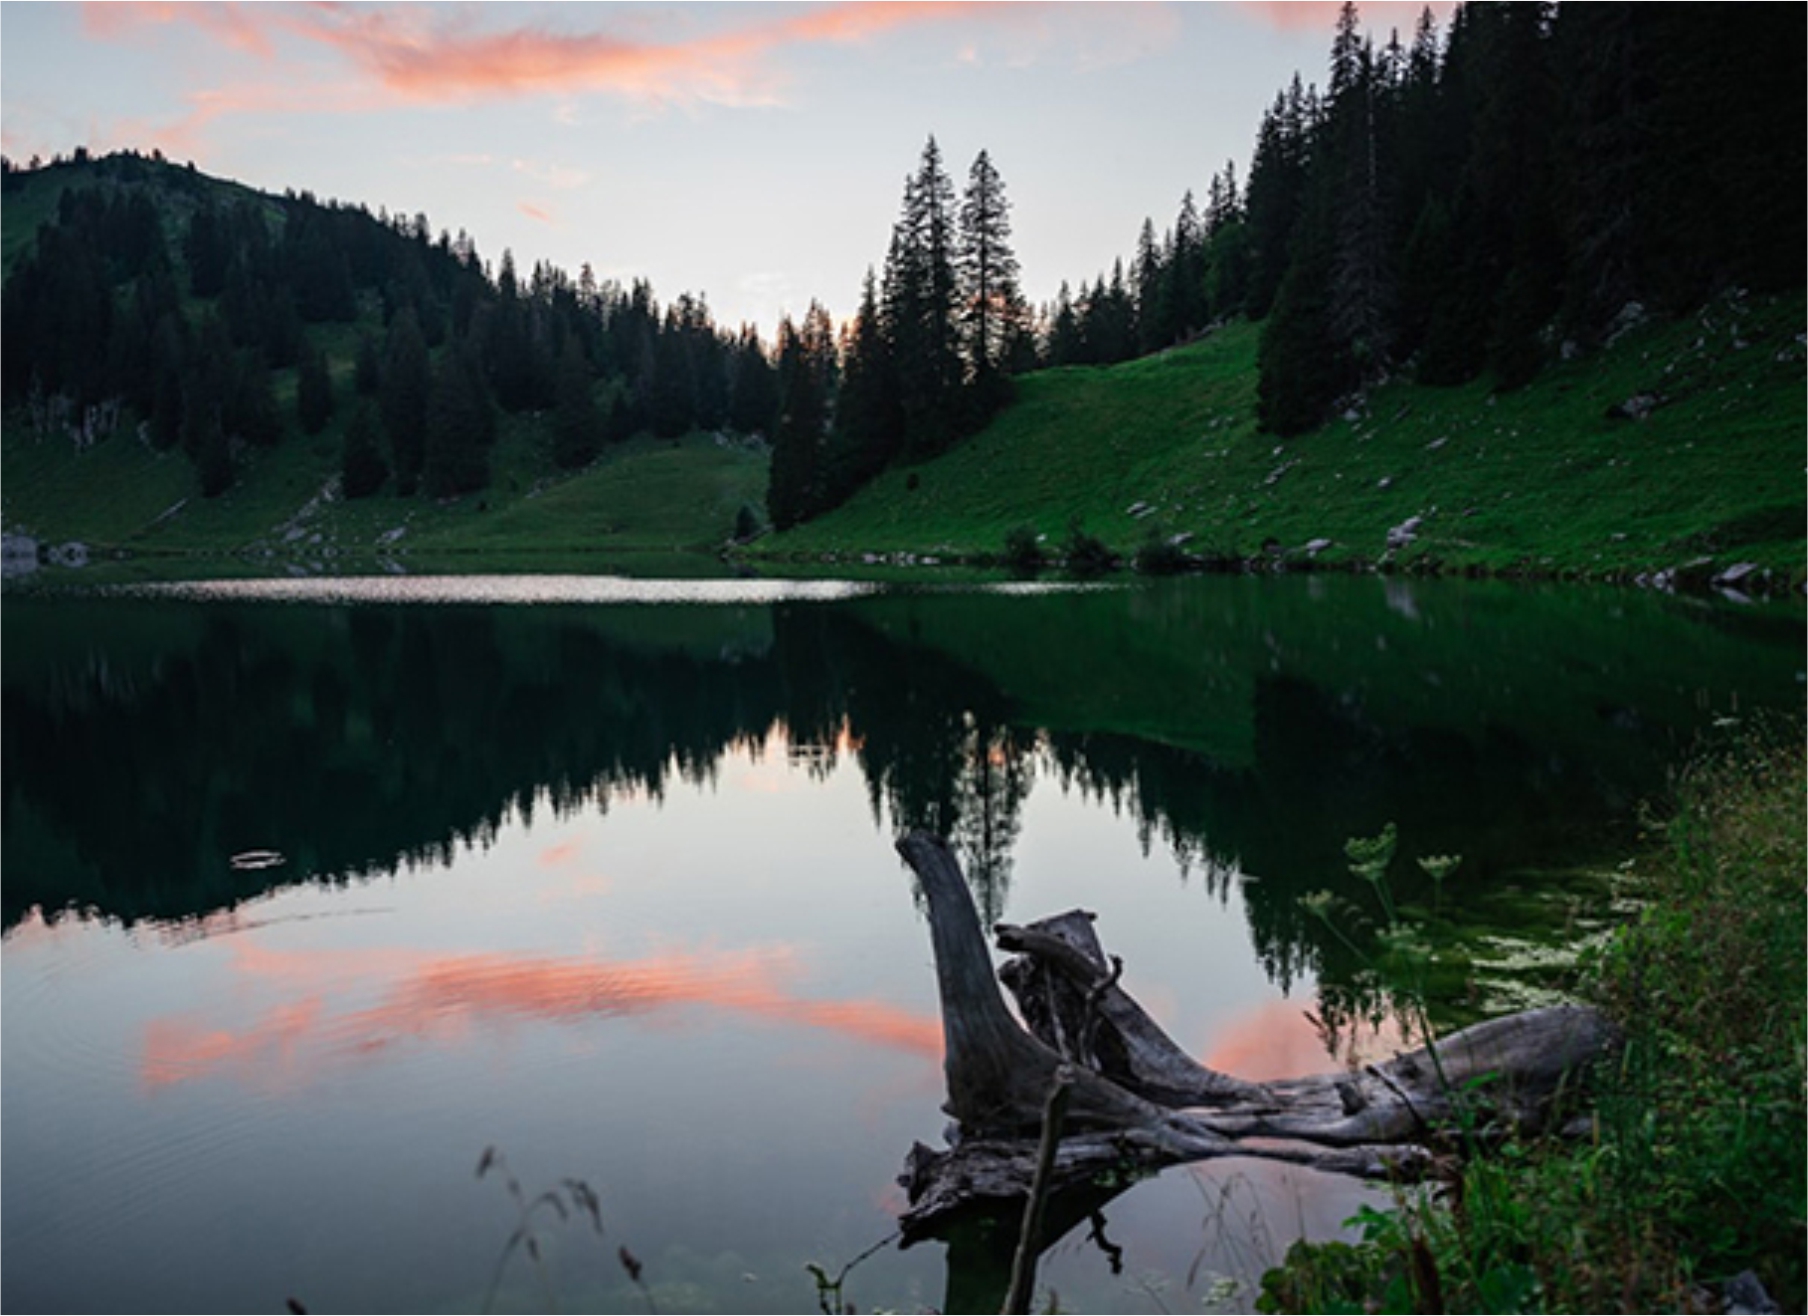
(1138, 1103)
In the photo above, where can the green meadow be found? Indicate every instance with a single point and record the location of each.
(1545, 480)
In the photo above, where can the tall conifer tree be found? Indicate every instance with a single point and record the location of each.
(991, 305)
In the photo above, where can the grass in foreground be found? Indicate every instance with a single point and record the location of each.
(1696, 1170)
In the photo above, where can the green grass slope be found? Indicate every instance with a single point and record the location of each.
(1544, 479)
(643, 497)
(120, 496)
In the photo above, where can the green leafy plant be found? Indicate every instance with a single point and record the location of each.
(1694, 1170)
(1023, 550)
(1084, 554)
(1159, 555)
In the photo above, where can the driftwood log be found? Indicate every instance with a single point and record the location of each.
(1136, 1102)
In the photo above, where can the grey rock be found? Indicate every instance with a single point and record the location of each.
(1636, 407)
(1405, 533)
(1745, 1295)
(1630, 317)
(18, 556)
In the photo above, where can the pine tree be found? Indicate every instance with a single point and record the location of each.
(1148, 275)
(992, 311)
(1275, 195)
(1184, 286)
(919, 293)
(753, 395)
(1227, 248)
(206, 251)
(205, 387)
(361, 466)
(672, 405)
(403, 399)
(794, 486)
(455, 461)
(1066, 346)
(864, 438)
(1352, 167)
(313, 392)
(251, 413)
(577, 429)
(367, 367)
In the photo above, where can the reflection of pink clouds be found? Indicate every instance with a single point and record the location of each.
(559, 855)
(445, 997)
(175, 1051)
(1275, 1039)
(34, 929)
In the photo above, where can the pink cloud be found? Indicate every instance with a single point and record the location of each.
(1321, 15)
(417, 54)
(232, 24)
(534, 212)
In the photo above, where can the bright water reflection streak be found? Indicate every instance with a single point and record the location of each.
(547, 589)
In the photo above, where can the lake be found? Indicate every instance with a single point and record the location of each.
(599, 874)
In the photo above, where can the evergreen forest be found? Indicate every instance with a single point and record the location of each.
(1476, 201)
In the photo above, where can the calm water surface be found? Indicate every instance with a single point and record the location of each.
(599, 873)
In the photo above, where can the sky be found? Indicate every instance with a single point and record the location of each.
(753, 154)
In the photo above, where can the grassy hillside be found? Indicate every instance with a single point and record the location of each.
(643, 497)
(1680, 445)
(118, 494)
(32, 197)
(1544, 479)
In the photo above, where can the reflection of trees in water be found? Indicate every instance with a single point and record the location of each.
(155, 744)
(998, 770)
(361, 740)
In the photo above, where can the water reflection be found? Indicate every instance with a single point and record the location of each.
(431, 997)
(508, 590)
(609, 884)
(1249, 727)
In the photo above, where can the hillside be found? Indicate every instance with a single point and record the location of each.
(1678, 446)
(161, 328)
(1554, 478)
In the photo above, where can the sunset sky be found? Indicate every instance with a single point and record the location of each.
(753, 153)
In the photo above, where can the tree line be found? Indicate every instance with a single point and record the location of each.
(925, 360)
(1467, 205)
(1452, 204)
(1458, 203)
(191, 306)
